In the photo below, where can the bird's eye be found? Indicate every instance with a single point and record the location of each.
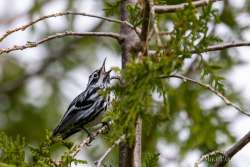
(95, 75)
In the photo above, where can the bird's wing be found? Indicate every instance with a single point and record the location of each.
(80, 109)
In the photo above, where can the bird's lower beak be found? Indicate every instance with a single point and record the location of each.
(108, 72)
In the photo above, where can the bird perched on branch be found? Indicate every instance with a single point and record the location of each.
(88, 107)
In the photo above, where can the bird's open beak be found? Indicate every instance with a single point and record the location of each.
(107, 74)
(103, 67)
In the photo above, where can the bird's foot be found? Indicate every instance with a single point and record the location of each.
(91, 138)
(107, 125)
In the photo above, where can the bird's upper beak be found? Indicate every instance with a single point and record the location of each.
(103, 67)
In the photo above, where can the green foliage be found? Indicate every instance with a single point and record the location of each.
(137, 96)
(150, 160)
(12, 150)
(141, 77)
(134, 14)
(112, 8)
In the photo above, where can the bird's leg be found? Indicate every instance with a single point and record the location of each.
(89, 135)
(106, 124)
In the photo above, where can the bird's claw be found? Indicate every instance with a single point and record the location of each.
(91, 138)
(107, 125)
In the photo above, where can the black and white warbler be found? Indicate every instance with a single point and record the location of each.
(87, 108)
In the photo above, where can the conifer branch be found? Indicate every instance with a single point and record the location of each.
(24, 27)
(60, 35)
(160, 9)
(117, 142)
(210, 88)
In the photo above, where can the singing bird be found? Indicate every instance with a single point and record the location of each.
(87, 108)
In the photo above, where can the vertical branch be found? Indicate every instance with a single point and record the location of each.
(128, 34)
(145, 27)
(138, 145)
(127, 43)
(144, 52)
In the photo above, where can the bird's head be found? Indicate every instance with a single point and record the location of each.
(100, 77)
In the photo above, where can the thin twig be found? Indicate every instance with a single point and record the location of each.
(160, 9)
(216, 47)
(206, 157)
(225, 99)
(76, 149)
(24, 27)
(223, 46)
(60, 35)
(117, 142)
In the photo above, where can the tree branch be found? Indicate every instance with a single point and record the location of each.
(234, 150)
(155, 26)
(225, 99)
(60, 35)
(216, 47)
(11, 86)
(206, 157)
(223, 46)
(117, 142)
(129, 41)
(24, 27)
(160, 9)
(138, 145)
(144, 42)
(145, 26)
(76, 149)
